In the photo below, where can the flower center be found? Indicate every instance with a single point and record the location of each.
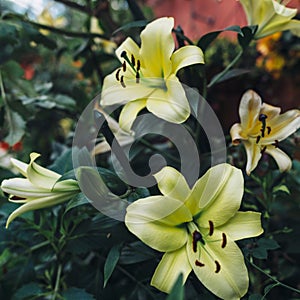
(199, 241)
(135, 66)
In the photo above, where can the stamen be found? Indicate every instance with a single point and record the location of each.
(124, 54)
(122, 81)
(218, 266)
(137, 77)
(199, 264)
(132, 60)
(258, 139)
(263, 150)
(224, 240)
(262, 118)
(269, 129)
(118, 74)
(211, 228)
(124, 66)
(276, 144)
(138, 66)
(197, 237)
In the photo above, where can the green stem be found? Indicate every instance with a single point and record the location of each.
(224, 72)
(273, 278)
(56, 288)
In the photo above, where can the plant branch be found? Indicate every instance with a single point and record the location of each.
(76, 6)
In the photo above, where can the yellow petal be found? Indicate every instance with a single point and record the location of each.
(130, 47)
(159, 222)
(236, 133)
(169, 268)
(186, 56)
(224, 272)
(170, 103)
(218, 194)
(20, 166)
(243, 225)
(171, 183)
(282, 159)
(129, 113)
(253, 152)
(157, 46)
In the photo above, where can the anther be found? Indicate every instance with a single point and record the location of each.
(211, 228)
(269, 129)
(218, 266)
(199, 264)
(118, 74)
(197, 237)
(224, 240)
(276, 143)
(124, 54)
(262, 151)
(258, 139)
(122, 81)
(138, 66)
(124, 66)
(132, 60)
(137, 77)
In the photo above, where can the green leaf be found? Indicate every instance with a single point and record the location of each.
(141, 23)
(269, 287)
(76, 201)
(28, 290)
(255, 297)
(76, 294)
(247, 36)
(4, 257)
(231, 74)
(208, 38)
(177, 292)
(281, 188)
(16, 127)
(111, 262)
(268, 244)
(138, 193)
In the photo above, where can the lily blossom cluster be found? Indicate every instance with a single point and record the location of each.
(197, 229)
(270, 16)
(261, 129)
(147, 77)
(39, 189)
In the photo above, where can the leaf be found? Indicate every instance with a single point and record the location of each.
(208, 38)
(269, 287)
(141, 23)
(281, 188)
(77, 294)
(76, 201)
(177, 292)
(27, 290)
(138, 193)
(268, 244)
(255, 297)
(16, 127)
(247, 37)
(231, 74)
(111, 262)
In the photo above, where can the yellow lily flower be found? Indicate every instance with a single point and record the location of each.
(262, 127)
(196, 228)
(270, 16)
(148, 78)
(39, 189)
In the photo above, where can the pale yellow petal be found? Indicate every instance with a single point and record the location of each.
(170, 267)
(186, 56)
(243, 225)
(253, 152)
(236, 133)
(159, 222)
(282, 159)
(20, 166)
(172, 183)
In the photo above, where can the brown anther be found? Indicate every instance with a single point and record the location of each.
(122, 82)
(199, 264)
(124, 54)
(262, 151)
(269, 129)
(137, 77)
(262, 132)
(276, 144)
(124, 66)
(132, 60)
(138, 66)
(218, 266)
(118, 74)
(258, 139)
(211, 228)
(224, 240)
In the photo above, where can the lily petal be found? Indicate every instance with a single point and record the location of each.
(253, 156)
(157, 46)
(20, 166)
(157, 222)
(224, 271)
(130, 47)
(218, 194)
(171, 183)
(39, 176)
(243, 225)
(236, 133)
(171, 103)
(282, 159)
(129, 113)
(170, 267)
(186, 56)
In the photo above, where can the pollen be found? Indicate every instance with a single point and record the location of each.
(118, 74)
(224, 240)
(199, 264)
(218, 267)
(122, 82)
(211, 227)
